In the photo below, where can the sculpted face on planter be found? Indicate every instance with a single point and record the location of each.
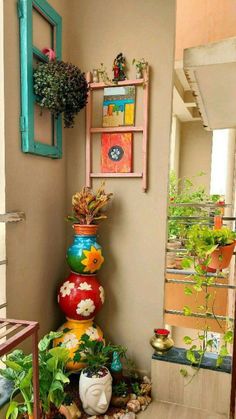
(95, 393)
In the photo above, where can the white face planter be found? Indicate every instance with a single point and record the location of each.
(95, 393)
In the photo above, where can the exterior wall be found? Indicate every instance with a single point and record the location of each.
(195, 152)
(199, 22)
(37, 186)
(134, 235)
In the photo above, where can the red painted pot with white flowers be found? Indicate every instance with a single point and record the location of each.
(81, 296)
(84, 256)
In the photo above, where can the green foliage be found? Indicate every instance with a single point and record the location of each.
(88, 206)
(52, 376)
(203, 240)
(62, 88)
(183, 190)
(140, 64)
(136, 388)
(120, 389)
(96, 354)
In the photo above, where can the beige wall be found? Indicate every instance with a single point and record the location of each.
(199, 22)
(195, 152)
(134, 236)
(37, 186)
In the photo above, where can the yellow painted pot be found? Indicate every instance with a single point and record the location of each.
(72, 332)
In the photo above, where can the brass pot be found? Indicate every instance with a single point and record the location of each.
(161, 342)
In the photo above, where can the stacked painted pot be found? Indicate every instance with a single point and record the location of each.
(81, 296)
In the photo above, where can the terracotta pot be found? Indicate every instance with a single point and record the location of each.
(120, 401)
(178, 262)
(221, 257)
(85, 230)
(70, 412)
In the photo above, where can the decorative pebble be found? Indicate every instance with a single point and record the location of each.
(134, 406)
(130, 415)
(144, 407)
(142, 400)
(148, 400)
(146, 380)
(145, 388)
(133, 396)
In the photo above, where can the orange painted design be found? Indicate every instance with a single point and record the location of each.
(93, 261)
(85, 230)
(110, 144)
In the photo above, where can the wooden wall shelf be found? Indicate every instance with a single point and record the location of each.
(96, 130)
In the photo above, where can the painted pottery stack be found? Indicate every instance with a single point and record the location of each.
(81, 296)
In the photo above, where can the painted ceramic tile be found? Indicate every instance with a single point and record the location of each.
(118, 106)
(116, 153)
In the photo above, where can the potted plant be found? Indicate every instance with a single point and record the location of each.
(52, 379)
(212, 247)
(62, 88)
(141, 66)
(120, 395)
(95, 384)
(182, 193)
(85, 254)
(202, 243)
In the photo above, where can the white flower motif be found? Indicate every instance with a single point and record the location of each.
(85, 286)
(85, 307)
(70, 341)
(102, 294)
(92, 333)
(66, 288)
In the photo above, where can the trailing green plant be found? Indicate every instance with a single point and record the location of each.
(88, 206)
(140, 64)
(52, 377)
(96, 354)
(120, 389)
(201, 242)
(184, 191)
(62, 88)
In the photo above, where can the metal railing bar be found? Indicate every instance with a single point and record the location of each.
(199, 315)
(214, 285)
(191, 273)
(3, 305)
(3, 262)
(198, 217)
(199, 204)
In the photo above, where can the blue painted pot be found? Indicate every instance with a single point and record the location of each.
(84, 256)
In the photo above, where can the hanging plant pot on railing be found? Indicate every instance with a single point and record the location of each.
(62, 88)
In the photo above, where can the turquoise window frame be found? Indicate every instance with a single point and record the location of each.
(28, 98)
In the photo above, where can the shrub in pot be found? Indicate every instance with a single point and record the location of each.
(84, 256)
(214, 247)
(52, 378)
(120, 396)
(62, 88)
(95, 384)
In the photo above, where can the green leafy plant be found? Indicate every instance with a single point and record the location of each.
(96, 354)
(88, 206)
(201, 242)
(52, 377)
(140, 64)
(120, 389)
(62, 88)
(184, 191)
